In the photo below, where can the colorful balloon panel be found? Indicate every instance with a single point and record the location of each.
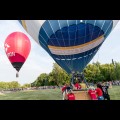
(71, 43)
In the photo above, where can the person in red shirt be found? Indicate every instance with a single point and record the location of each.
(99, 92)
(92, 93)
(77, 86)
(64, 88)
(70, 95)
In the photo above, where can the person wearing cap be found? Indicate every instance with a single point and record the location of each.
(92, 93)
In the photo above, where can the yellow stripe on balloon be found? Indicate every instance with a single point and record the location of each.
(24, 24)
(78, 46)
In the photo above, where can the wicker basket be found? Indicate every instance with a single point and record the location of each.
(81, 95)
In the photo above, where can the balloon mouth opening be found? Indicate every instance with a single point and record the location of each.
(17, 65)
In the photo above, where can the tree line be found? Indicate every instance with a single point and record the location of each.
(95, 72)
(12, 85)
(57, 77)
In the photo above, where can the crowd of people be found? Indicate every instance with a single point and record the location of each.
(116, 82)
(29, 88)
(100, 92)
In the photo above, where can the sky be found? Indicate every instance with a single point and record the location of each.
(39, 60)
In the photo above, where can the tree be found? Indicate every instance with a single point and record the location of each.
(42, 80)
(14, 84)
(58, 75)
(94, 72)
(26, 85)
(117, 70)
(9, 85)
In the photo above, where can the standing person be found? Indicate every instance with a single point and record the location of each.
(92, 93)
(105, 92)
(99, 92)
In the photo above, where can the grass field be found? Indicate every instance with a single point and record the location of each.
(115, 93)
(53, 94)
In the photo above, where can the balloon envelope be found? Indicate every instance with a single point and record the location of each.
(17, 47)
(71, 43)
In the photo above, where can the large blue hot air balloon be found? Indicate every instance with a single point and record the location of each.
(71, 43)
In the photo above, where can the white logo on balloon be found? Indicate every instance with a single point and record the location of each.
(10, 54)
(6, 47)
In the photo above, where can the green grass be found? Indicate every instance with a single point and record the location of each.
(53, 94)
(115, 93)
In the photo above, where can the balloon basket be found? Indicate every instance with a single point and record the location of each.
(17, 75)
(81, 95)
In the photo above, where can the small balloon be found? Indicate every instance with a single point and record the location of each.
(17, 47)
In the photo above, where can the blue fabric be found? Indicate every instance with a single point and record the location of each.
(75, 35)
(66, 33)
